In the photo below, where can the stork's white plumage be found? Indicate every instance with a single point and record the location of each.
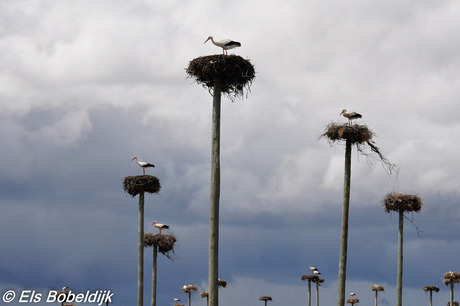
(143, 165)
(225, 44)
(352, 294)
(312, 269)
(316, 272)
(160, 226)
(350, 115)
(176, 300)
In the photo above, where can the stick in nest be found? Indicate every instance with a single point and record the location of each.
(165, 243)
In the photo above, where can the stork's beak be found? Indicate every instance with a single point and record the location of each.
(133, 158)
(206, 40)
(341, 113)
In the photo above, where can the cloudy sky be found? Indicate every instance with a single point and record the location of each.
(86, 85)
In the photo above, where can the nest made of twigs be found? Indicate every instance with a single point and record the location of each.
(431, 288)
(164, 242)
(232, 71)
(455, 303)
(204, 294)
(354, 133)
(377, 288)
(311, 277)
(352, 301)
(221, 283)
(265, 298)
(451, 277)
(134, 185)
(189, 288)
(402, 202)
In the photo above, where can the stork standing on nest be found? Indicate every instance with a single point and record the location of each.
(160, 226)
(225, 44)
(143, 165)
(350, 115)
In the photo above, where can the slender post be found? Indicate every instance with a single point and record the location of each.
(317, 292)
(400, 258)
(376, 293)
(189, 298)
(431, 297)
(140, 250)
(452, 292)
(154, 275)
(344, 238)
(309, 292)
(214, 198)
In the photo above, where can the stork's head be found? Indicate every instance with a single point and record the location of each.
(65, 288)
(209, 37)
(135, 157)
(154, 222)
(343, 111)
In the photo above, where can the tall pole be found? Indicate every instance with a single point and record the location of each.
(344, 238)
(317, 292)
(140, 255)
(452, 292)
(214, 198)
(431, 297)
(400, 258)
(309, 292)
(376, 293)
(154, 275)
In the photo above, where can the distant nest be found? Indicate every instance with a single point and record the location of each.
(377, 288)
(189, 288)
(312, 277)
(165, 242)
(134, 185)
(265, 298)
(204, 294)
(232, 71)
(455, 303)
(451, 277)
(352, 301)
(221, 283)
(357, 135)
(431, 288)
(402, 202)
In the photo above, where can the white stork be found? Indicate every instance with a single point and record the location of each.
(176, 300)
(143, 165)
(312, 269)
(160, 226)
(350, 115)
(352, 293)
(316, 272)
(225, 44)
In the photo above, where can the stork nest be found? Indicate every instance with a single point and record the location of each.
(455, 303)
(233, 72)
(377, 288)
(134, 185)
(402, 202)
(358, 135)
(165, 243)
(189, 288)
(312, 277)
(221, 283)
(352, 301)
(451, 277)
(204, 294)
(431, 288)
(265, 298)
(319, 280)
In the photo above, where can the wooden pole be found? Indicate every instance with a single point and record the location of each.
(154, 275)
(344, 236)
(189, 298)
(400, 258)
(376, 294)
(214, 198)
(140, 250)
(317, 292)
(309, 292)
(431, 297)
(451, 292)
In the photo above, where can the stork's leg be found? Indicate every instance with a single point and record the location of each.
(143, 171)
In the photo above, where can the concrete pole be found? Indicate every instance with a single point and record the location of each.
(154, 275)
(400, 259)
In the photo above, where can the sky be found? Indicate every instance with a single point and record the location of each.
(87, 85)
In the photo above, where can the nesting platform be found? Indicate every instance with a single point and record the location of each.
(134, 185)
(165, 243)
(233, 72)
(402, 202)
